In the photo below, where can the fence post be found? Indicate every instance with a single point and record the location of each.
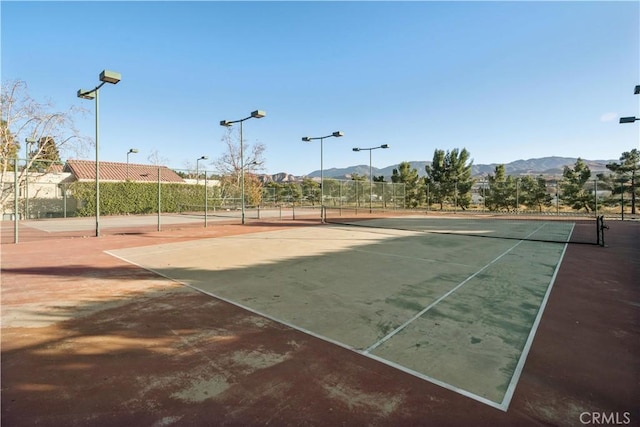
(595, 192)
(621, 199)
(15, 200)
(557, 198)
(206, 201)
(428, 200)
(159, 200)
(64, 200)
(26, 188)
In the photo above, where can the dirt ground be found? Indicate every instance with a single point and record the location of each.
(88, 339)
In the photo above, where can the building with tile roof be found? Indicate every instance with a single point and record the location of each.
(85, 170)
(47, 189)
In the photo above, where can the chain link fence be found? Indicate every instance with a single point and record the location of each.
(537, 195)
(158, 198)
(336, 193)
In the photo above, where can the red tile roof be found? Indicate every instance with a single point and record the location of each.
(85, 170)
(55, 168)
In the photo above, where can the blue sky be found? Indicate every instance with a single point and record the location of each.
(506, 80)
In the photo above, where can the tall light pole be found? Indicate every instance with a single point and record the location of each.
(336, 134)
(197, 170)
(131, 150)
(258, 114)
(105, 77)
(28, 141)
(370, 172)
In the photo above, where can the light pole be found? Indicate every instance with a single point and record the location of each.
(105, 77)
(370, 172)
(26, 176)
(258, 114)
(336, 134)
(131, 150)
(197, 173)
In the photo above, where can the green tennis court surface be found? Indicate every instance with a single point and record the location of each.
(455, 310)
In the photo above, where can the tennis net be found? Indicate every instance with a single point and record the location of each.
(557, 229)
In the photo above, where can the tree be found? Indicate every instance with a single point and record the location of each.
(253, 189)
(573, 187)
(502, 190)
(230, 163)
(332, 191)
(436, 178)
(9, 148)
(627, 170)
(279, 192)
(273, 192)
(534, 193)
(22, 117)
(310, 190)
(414, 195)
(156, 159)
(293, 192)
(49, 154)
(449, 177)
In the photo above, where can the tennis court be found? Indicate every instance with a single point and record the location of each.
(452, 309)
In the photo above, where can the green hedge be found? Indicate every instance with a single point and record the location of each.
(118, 198)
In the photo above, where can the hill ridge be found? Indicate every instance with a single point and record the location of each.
(548, 166)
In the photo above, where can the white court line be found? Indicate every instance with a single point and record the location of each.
(534, 328)
(458, 286)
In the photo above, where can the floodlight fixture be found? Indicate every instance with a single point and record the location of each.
(628, 119)
(132, 150)
(86, 93)
(257, 114)
(356, 149)
(112, 77)
(636, 91)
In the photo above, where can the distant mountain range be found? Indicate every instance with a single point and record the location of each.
(547, 166)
